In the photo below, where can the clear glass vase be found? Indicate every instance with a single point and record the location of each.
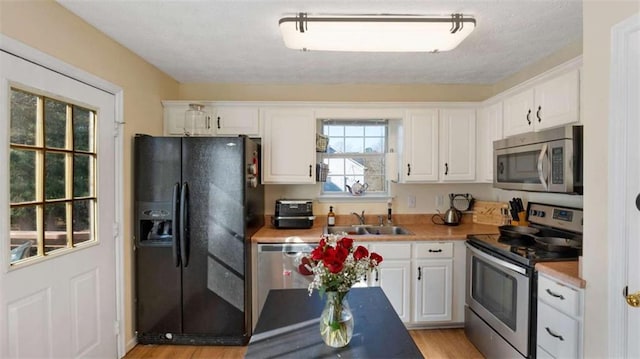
(336, 320)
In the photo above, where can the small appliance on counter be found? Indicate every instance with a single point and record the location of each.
(293, 213)
(457, 204)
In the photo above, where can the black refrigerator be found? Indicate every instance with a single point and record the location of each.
(198, 200)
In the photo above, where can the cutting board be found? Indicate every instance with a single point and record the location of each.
(485, 212)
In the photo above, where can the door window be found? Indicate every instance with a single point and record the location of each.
(51, 175)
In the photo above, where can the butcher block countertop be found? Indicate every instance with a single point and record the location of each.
(422, 229)
(563, 271)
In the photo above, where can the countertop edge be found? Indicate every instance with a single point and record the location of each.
(567, 272)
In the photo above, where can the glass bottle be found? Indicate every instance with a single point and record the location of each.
(331, 217)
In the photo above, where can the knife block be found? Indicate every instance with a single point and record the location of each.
(522, 221)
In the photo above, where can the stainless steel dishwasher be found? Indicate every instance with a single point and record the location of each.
(278, 268)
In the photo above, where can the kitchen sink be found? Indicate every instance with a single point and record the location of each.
(368, 230)
(391, 230)
(350, 230)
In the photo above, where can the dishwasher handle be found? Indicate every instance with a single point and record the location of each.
(286, 247)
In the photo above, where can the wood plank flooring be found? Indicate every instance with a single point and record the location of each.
(433, 343)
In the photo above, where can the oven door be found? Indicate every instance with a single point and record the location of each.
(499, 292)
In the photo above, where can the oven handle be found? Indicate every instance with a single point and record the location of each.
(497, 261)
(543, 152)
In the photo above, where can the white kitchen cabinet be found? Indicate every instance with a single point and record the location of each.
(420, 151)
(289, 146)
(560, 319)
(489, 129)
(552, 103)
(439, 145)
(231, 120)
(433, 282)
(174, 116)
(457, 145)
(393, 275)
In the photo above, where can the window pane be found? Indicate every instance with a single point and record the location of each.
(55, 226)
(334, 131)
(336, 144)
(334, 184)
(376, 183)
(24, 115)
(54, 181)
(354, 166)
(371, 131)
(354, 145)
(373, 165)
(82, 129)
(82, 220)
(354, 131)
(22, 176)
(336, 166)
(55, 121)
(23, 234)
(374, 145)
(81, 176)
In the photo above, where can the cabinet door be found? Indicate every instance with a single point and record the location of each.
(174, 120)
(518, 113)
(237, 120)
(433, 290)
(289, 146)
(557, 101)
(393, 276)
(489, 129)
(420, 152)
(457, 144)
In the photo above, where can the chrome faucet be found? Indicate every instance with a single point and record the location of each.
(360, 217)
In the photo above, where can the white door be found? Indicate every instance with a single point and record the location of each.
(518, 113)
(421, 141)
(624, 192)
(457, 145)
(433, 290)
(62, 303)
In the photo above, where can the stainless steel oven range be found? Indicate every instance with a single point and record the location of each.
(500, 310)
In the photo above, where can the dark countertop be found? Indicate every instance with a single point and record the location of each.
(288, 327)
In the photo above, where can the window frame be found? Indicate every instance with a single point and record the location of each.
(40, 201)
(323, 157)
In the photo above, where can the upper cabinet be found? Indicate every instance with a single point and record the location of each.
(489, 129)
(457, 144)
(220, 119)
(420, 152)
(232, 120)
(552, 103)
(289, 146)
(439, 145)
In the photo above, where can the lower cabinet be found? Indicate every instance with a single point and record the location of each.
(422, 282)
(560, 314)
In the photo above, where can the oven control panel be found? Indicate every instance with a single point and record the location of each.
(555, 216)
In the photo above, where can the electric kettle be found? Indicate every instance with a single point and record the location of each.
(452, 216)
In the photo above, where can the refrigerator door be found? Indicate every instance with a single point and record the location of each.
(158, 294)
(214, 288)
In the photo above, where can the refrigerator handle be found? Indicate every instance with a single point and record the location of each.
(176, 225)
(184, 224)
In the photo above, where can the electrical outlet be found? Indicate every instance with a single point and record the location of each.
(411, 201)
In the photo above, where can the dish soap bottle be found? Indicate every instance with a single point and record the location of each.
(331, 217)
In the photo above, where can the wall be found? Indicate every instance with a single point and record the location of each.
(599, 17)
(52, 29)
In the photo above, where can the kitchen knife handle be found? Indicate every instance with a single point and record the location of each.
(175, 224)
(184, 224)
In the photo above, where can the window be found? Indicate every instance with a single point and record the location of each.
(51, 175)
(355, 154)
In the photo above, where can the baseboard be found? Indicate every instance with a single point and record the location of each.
(131, 343)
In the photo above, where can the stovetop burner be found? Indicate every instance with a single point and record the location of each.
(552, 221)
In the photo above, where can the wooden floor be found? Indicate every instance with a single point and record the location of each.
(433, 343)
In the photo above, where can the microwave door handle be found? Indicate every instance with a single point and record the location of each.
(541, 174)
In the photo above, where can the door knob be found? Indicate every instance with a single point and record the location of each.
(633, 299)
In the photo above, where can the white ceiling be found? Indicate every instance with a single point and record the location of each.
(238, 41)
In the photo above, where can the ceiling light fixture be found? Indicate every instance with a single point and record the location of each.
(375, 33)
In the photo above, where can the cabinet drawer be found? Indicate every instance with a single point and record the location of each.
(392, 250)
(434, 250)
(560, 296)
(557, 332)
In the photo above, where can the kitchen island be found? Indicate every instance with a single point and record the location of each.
(288, 327)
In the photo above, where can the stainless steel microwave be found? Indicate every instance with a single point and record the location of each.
(545, 161)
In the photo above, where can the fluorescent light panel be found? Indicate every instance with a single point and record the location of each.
(383, 33)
